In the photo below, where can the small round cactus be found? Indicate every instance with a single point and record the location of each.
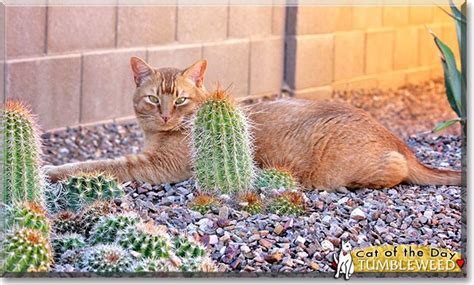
(63, 243)
(251, 203)
(28, 215)
(106, 229)
(222, 148)
(155, 265)
(147, 239)
(86, 188)
(107, 258)
(26, 250)
(90, 215)
(65, 222)
(203, 203)
(275, 178)
(188, 247)
(288, 203)
(200, 264)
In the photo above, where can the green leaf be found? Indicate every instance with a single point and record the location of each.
(461, 35)
(452, 77)
(443, 125)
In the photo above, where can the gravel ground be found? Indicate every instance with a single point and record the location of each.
(267, 242)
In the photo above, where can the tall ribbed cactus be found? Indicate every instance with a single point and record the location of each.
(21, 155)
(222, 148)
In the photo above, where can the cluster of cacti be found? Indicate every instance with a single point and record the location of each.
(222, 149)
(251, 203)
(123, 243)
(203, 203)
(188, 248)
(106, 229)
(107, 258)
(87, 188)
(26, 250)
(288, 203)
(275, 178)
(67, 242)
(146, 239)
(22, 180)
(28, 215)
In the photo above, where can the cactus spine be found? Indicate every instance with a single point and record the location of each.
(155, 265)
(107, 258)
(28, 215)
(187, 247)
(26, 250)
(146, 239)
(222, 149)
(21, 155)
(89, 216)
(288, 203)
(87, 188)
(203, 203)
(63, 243)
(274, 178)
(65, 222)
(105, 231)
(251, 203)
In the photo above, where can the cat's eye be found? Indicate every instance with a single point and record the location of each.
(153, 99)
(180, 100)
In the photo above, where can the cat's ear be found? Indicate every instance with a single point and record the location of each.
(141, 70)
(196, 72)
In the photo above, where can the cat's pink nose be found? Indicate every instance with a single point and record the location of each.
(165, 118)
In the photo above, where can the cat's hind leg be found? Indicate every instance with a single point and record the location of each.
(389, 170)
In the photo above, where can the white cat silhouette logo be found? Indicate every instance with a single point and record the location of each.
(344, 261)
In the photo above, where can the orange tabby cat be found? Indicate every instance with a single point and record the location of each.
(326, 145)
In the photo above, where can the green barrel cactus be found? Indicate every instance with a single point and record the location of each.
(251, 203)
(155, 265)
(288, 203)
(65, 222)
(203, 203)
(107, 258)
(146, 239)
(22, 180)
(106, 229)
(274, 178)
(26, 250)
(222, 148)
(186, 247)
(63, 243)
(85, 189)
(28, 215)
(90, 215)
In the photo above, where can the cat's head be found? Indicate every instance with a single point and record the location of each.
(346, 246)
(165, 97)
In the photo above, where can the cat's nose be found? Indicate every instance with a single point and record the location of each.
(165, 118)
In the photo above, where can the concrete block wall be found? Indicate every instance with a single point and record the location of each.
(71, 64)
(341, 48)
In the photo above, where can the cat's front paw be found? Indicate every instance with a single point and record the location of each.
(53, 173)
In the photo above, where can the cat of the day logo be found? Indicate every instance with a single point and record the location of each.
(395, 258)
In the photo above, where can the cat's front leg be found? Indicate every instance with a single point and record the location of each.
(111, 166)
